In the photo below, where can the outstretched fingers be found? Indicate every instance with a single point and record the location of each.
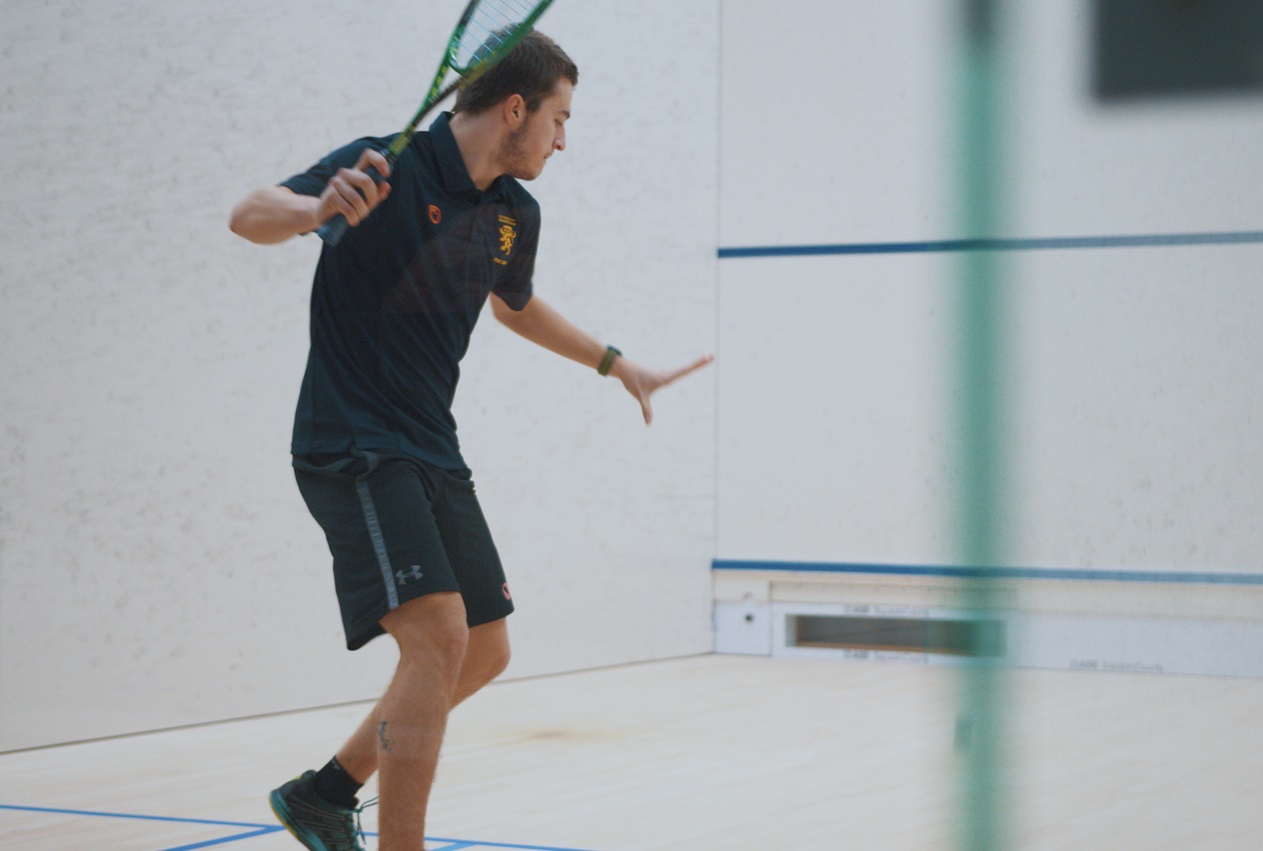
(701, 362)
(656, 380)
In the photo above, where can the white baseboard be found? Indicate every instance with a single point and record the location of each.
(1146, 630)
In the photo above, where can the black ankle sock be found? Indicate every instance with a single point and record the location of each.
(336, 786)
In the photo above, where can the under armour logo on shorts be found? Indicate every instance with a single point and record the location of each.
(414, 573)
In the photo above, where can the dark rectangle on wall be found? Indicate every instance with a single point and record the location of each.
(948, 636)
(1163, 48)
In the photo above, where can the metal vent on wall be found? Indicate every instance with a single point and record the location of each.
(943, 636)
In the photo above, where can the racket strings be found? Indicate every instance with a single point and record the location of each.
(493, 27)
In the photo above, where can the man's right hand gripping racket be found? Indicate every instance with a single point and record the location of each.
(487, 31)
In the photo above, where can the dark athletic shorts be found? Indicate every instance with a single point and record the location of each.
(398, 529)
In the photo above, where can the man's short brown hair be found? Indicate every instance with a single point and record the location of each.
(532, 69)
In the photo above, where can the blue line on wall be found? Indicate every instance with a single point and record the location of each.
(1016, 244)
(1073, 574)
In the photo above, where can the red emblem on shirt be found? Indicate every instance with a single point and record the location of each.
(436, 215)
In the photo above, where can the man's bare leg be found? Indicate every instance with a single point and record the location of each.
(412, 714)
(486, 657)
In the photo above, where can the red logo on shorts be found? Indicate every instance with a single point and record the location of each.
(507, 595)
(436, 215)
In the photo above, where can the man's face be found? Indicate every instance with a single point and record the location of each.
(543, 132)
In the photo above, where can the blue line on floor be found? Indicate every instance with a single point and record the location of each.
(97, 814)
(472, 844)
(264, 831)
(255, 829)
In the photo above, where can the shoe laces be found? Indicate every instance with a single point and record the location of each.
(359, 827)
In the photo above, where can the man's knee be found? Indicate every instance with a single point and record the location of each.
(495, 659)
(489, 650)
(432, 626)
(485, 659)
(502, 660)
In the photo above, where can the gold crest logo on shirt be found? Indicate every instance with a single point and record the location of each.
(508, 234)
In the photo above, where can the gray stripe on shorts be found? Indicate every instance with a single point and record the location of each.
(379, 543)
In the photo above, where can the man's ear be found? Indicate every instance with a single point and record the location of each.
(514, 111)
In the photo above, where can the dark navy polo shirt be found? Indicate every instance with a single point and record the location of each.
(394, 303)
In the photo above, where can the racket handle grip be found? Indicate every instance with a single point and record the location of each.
(333, 230)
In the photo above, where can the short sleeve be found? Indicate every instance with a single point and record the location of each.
(314, 180)
(516, 287)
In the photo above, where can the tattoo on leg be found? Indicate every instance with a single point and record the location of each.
(381, 737)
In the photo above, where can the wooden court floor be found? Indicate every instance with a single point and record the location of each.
(704, 754)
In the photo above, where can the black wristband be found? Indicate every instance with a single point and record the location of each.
(607, 362)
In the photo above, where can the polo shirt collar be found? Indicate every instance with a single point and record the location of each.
(452, 169)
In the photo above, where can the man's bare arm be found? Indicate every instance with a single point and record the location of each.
(274, 214)
(544, 326)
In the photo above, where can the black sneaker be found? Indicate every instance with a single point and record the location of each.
(319, 825)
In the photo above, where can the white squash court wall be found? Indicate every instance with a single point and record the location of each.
(831, 376)
(157, 566)
(1134, 394)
